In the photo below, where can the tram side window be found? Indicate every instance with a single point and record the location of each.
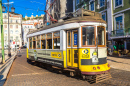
(30, 43)
(49, 41)
(43, 41)
(88, 36)
(69, 38)
(38, 42)
(101, 35)
(34, 43)
(56, 40)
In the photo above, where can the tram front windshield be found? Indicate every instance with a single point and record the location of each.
(88, 36)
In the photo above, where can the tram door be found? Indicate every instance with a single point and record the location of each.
(72, 51)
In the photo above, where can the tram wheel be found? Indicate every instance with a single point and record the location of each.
(28, 60)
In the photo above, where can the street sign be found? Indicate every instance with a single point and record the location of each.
(13, 42)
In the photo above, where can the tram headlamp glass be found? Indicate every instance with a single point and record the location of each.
(94, 68)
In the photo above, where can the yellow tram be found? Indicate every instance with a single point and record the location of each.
(77, 43)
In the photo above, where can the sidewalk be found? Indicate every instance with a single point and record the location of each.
(4, 68)
(122, 63)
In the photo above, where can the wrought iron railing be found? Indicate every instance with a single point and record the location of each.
(121, 32)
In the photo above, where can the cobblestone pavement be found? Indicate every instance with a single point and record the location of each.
(24, 74)
(122, 63)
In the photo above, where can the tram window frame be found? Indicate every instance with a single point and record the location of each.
(43, 38)
(49, 42)
(37, 40)
(34, 40)
(68, 38)
(104, 36)
(58, 37)
(30, 43)
(94, 36)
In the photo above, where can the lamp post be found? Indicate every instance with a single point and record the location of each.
(12, 9)
(2, 32)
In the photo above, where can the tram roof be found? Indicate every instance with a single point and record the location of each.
(84, 16)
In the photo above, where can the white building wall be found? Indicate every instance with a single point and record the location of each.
(13, 23)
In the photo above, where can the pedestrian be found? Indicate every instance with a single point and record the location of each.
(19, 49)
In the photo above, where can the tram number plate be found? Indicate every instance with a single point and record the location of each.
(94, 59)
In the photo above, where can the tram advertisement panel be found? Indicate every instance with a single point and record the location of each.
(52, 57)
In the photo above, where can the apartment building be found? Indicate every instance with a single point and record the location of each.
(30, 25)
(117, 15)
(15, 26)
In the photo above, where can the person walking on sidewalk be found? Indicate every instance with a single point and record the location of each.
(19, 49)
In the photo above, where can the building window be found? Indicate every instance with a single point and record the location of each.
(5, 16)
(16, 21)
(16, 26)
(11, 26)
(56, 40)
(11, 21)
(5, 21)
(5, 31)
(5, 38)
(5, 26)
(118, 2)
(104, 16)
(91, 7)
(16, 31)
(102, 2)
(119, 24)
(49, 41)
(17, 38)
(77, 2)
(88, 36)
(11, 38)
(11, 31)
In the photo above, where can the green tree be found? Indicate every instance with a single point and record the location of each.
(28, 18)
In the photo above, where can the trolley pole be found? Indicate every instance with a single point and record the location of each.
(9, 53)
(2, 33)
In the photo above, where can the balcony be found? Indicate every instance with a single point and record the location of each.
(121, 32)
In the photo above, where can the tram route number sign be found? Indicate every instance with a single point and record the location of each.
(75, 39)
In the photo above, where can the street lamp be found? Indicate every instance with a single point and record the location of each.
(12, 9)
(3, 9)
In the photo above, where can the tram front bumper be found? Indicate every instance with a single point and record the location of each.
(95, 69)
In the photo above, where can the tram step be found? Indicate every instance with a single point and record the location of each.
(103, 77)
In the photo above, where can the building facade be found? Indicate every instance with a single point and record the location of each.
(117, 15)
(30, 25)
(57, 9)
(15, 26)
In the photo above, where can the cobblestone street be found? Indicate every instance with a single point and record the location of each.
(23, 73)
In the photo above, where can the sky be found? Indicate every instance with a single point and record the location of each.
(27, 7)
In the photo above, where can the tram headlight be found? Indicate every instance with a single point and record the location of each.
(98, 67)
(94, 68)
